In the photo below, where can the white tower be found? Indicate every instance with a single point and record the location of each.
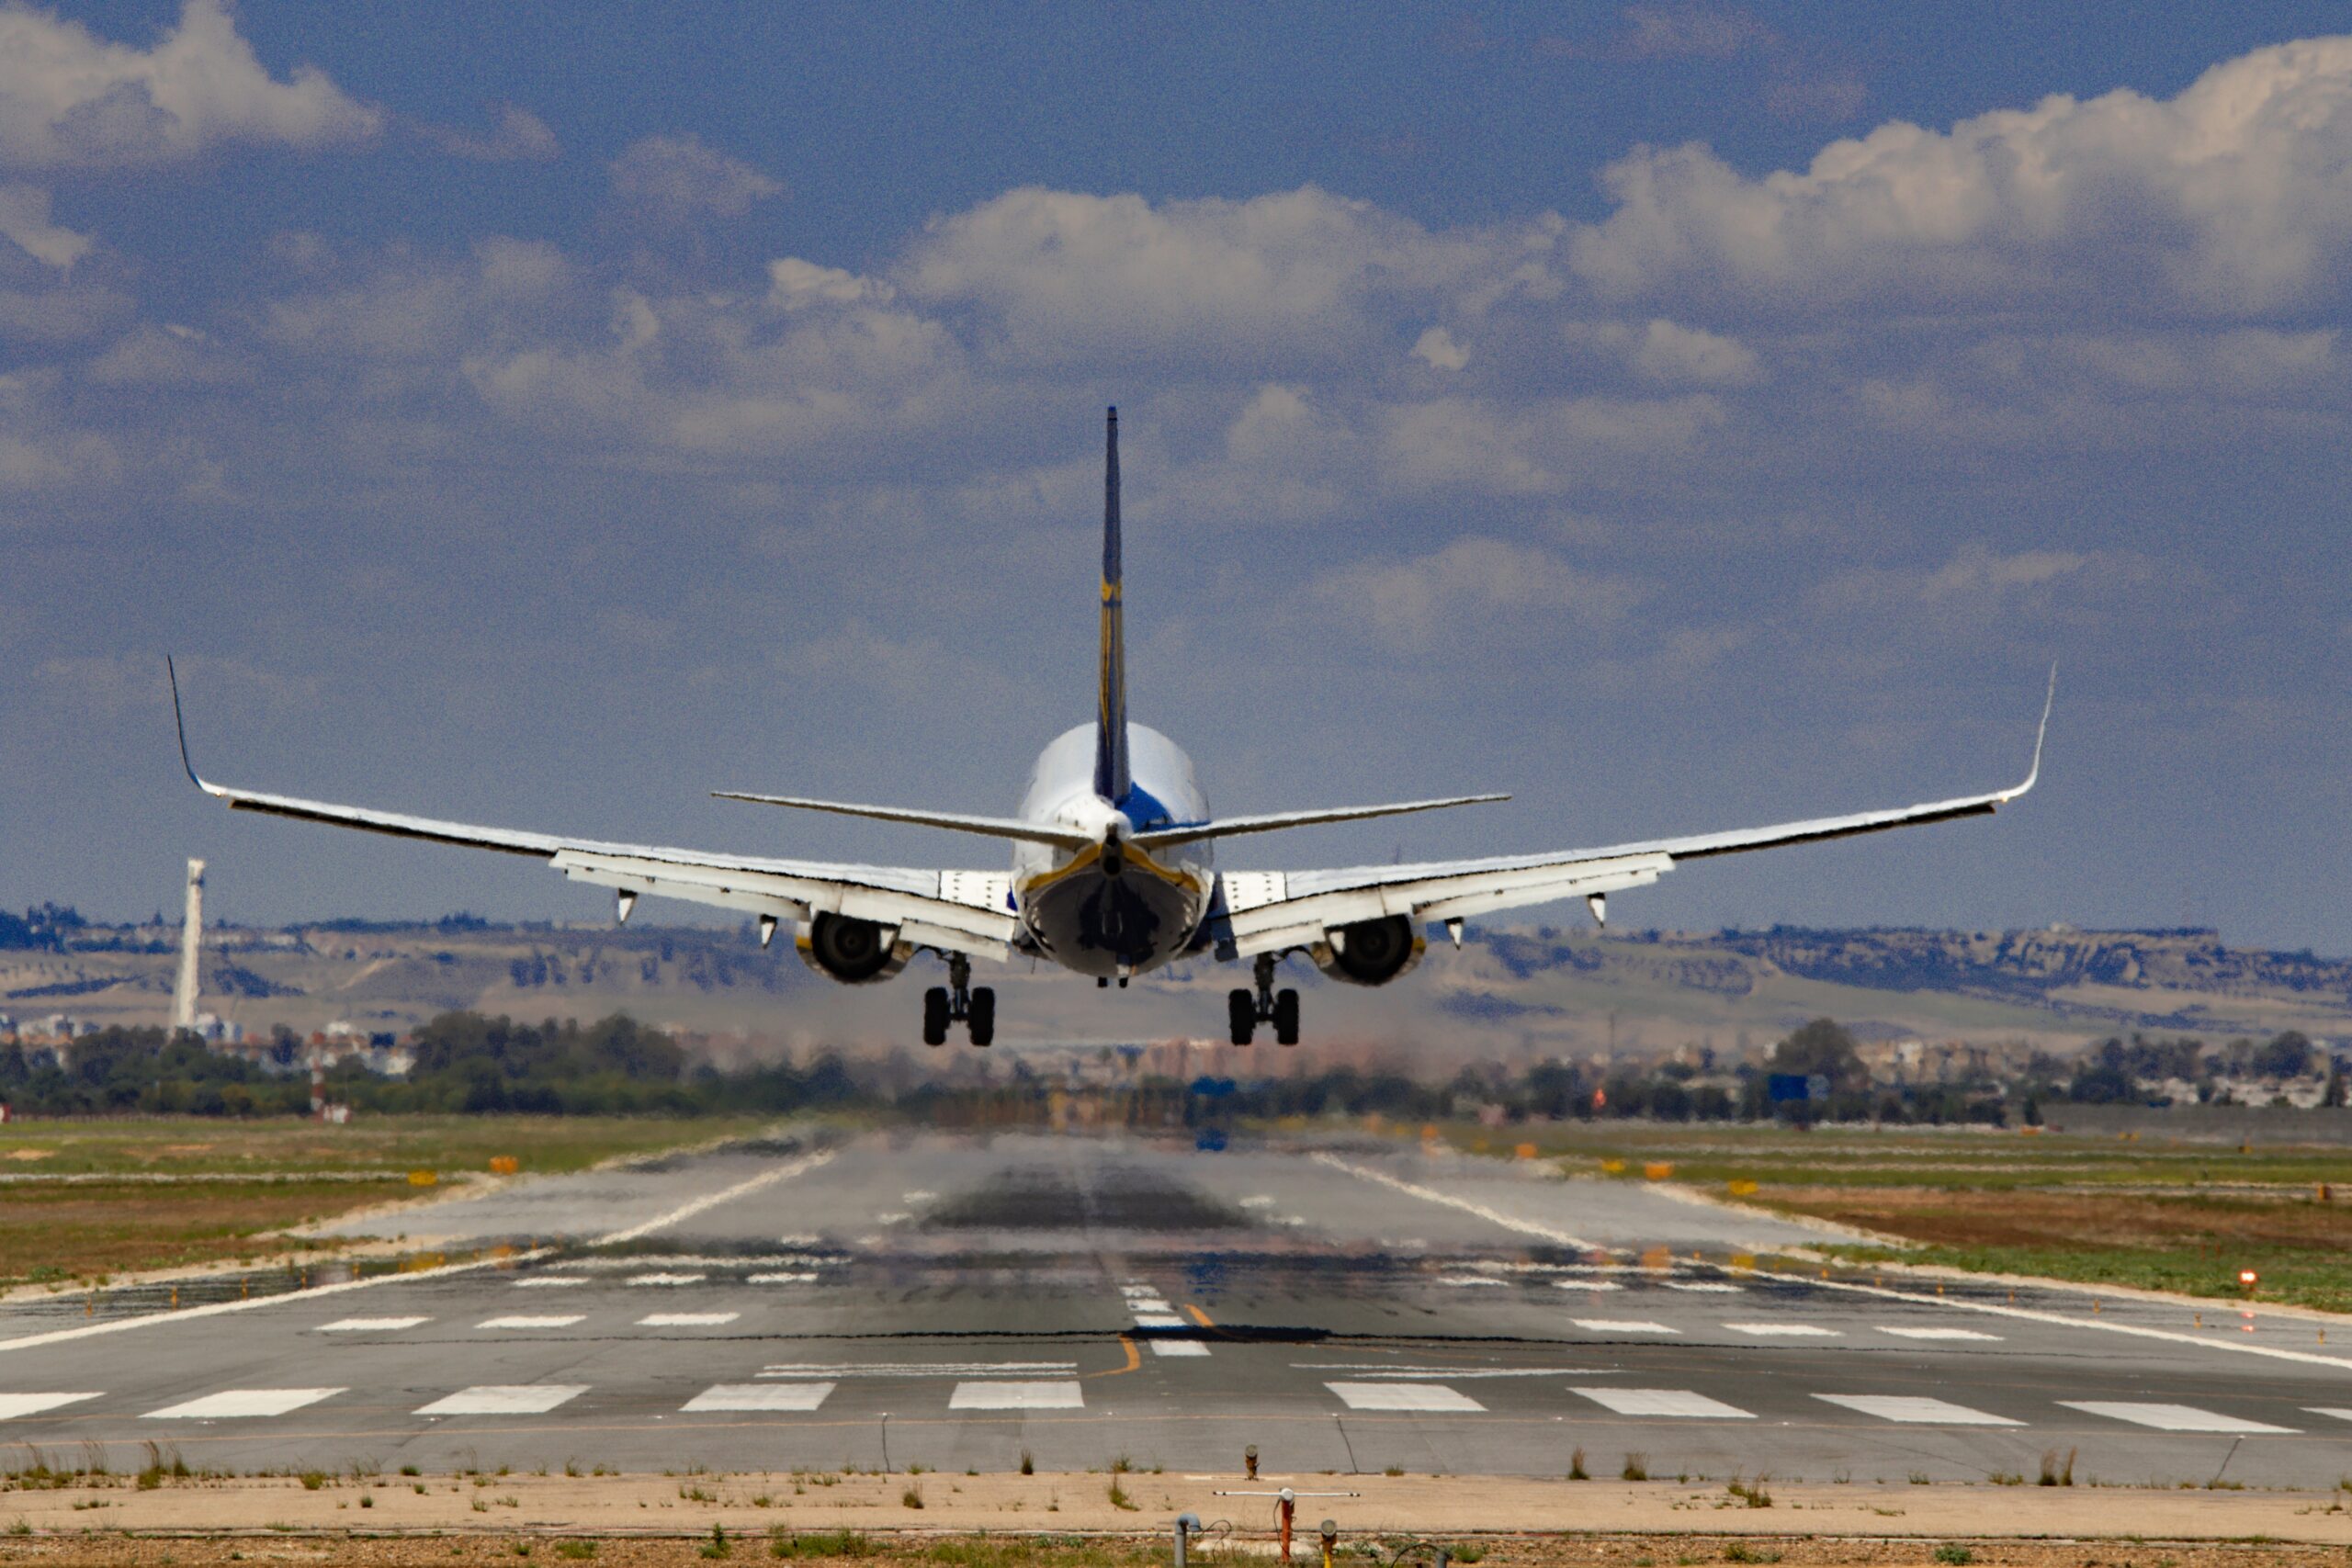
(191, 939)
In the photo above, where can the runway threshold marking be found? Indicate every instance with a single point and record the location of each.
(217, 1309)
(1917, 1411)
(1785, 1330)
(689, 1209)
(1622, 1326)
(759, 1396)
(15, 1404)
(1675, 1401)
(1431, 1195)
(2169, 1417)
(241, 1402)
(1900, 1333)
(369, 1325)
(1428, 1397)
(995, 1395)
(534, 1320)
(505, 1399)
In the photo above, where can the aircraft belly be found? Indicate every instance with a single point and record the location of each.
(1096, 924)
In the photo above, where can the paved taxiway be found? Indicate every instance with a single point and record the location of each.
(959, 1302)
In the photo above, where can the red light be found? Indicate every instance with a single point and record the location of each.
(2245, 1276)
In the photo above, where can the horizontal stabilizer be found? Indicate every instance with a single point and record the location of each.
(1228, 826)
(986, 827)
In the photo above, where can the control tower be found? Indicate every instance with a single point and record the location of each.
(191, 941)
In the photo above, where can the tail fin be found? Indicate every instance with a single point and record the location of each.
(1110, 781)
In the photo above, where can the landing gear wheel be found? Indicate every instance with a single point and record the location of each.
(1286, 1018)
(934, 1016)
(1241, 1008)
(979, 1015)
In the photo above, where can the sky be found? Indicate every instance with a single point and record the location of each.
(1678, 415)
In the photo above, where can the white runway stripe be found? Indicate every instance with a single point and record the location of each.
(1148, 1304)
(1936, 1333)
(2169, 1417)
(687, 1319)
(2328, 1410)
(530, 1320)
(1711, 1286)
(912, 1368)
(1462, 1280)
(1178, 1348)
(1588, 1284)
(1622, 1326)
(1493, 1217)
(369, 1325)
(1916, 1410)
(759, 1396)
(15, 1404)
(790, 1278)
(667, 1279)
(1391, 1371)
(1427, 1396)
(689, 1209)
(1159, 1320)
(1679, 1402)
(547, 1282)
(1785, 1330)
(505, 1399)
(995, 1395)
(241, 1402)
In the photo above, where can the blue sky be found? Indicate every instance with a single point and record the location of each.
(1679, 415)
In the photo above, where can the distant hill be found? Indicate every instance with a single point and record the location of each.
(1510, 992)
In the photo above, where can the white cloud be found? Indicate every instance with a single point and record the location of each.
(674, 178)
(519, 136)
(795, 285)
(169, 355)
(1437, 349)
(24, 222)
(2228, 199)
(1457, 591)
(71, 101)
(1669, 353)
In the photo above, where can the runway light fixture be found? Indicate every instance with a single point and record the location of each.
(1249, 1460)
(2249, 1279)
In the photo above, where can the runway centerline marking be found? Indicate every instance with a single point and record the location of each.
(996, 1396)
(759, 1396)
(2169, 1417)
(689, 1209)
(534, 1320)
(505, 1399)
(1425, 1397)
(15, 1404)
(1917, 1410)
(369, 1325)
(1431, 1195)
(234, 1402)
(1675, 1401)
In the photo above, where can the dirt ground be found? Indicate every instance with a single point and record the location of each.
(913, 1519)
(2024, 1218)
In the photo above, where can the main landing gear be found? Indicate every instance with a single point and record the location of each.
(959, 1001)
(1248, 1009)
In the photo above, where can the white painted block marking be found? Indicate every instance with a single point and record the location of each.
(1588, 1285)
(1710, 1287)
(1178, 1348)
(529, 1320)
(15, 1404)
(1148, 1303)
(788, 1278)
(505, 1399)
(1159, 1320)
(687, 1319)
(1622, 1326)
(1679, 1402)
(547, 1282)
(666, 1278)
(370, 1324)
(1426, 1396)
(2327, 1410)
(1917, 1411)
(1009, 1396)
(2169, 1417)
(759, 1396)
(1461, 1281)
(1936, 1333)
(1785, 1330)
(240, 1402)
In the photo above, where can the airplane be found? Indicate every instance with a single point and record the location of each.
(1112, 871)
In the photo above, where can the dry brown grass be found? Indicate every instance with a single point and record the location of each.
(88, 1231)
(2025, 1218)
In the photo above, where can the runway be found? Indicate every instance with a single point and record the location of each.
(959, 1302)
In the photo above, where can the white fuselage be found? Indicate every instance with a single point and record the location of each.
(1110, 910)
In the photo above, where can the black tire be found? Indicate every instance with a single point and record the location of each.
(980, 1021)
(1241, 1009)
(1286, 1018)
(934, 1016)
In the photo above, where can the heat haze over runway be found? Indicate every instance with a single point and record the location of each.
(966, 1300)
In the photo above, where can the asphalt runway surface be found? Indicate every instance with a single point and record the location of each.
(959, 1302)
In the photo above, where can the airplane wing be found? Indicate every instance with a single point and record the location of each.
(963, 911)
(1272, 912)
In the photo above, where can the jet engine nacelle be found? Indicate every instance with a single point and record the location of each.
(1369, 953)
(853, 951)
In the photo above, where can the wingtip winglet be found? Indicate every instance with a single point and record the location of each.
(179, 723)
(2040, 734)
